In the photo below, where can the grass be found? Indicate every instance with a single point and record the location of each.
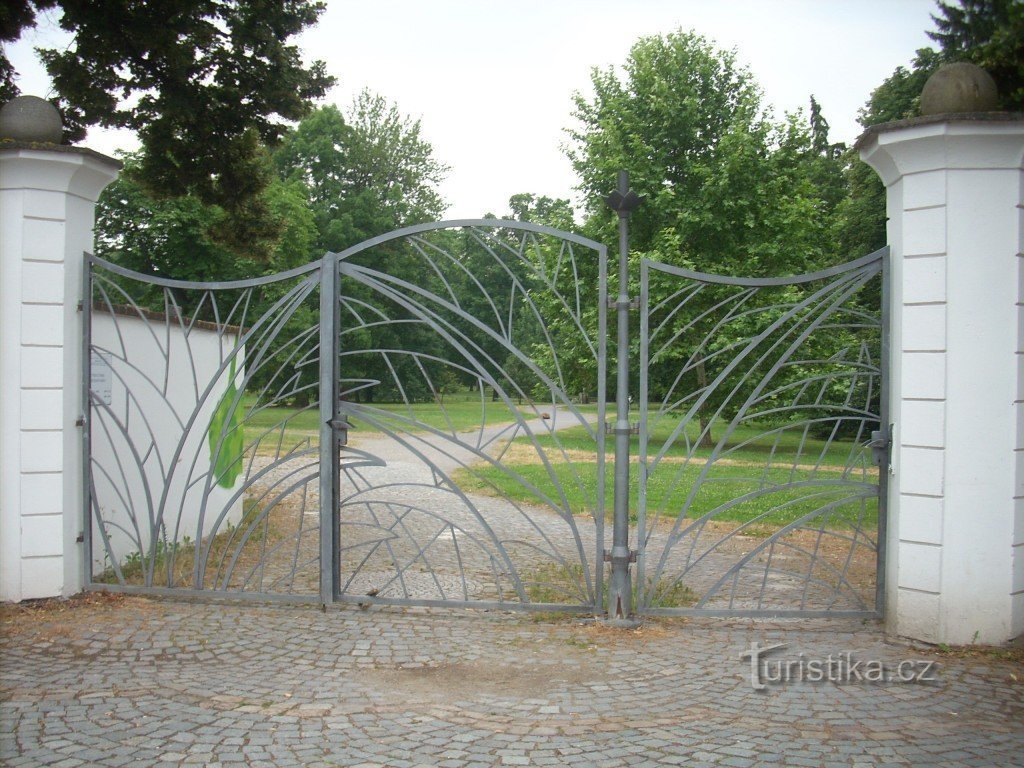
(746, 443)
(768, 503)
(459, 412)
(741, 470)
(561, 582)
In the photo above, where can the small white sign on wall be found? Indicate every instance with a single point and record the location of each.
(101, 376)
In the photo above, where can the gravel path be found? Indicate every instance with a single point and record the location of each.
(408, 532)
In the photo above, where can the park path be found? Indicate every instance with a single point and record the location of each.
(409, 532)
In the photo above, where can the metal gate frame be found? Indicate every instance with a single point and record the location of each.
(618, 603)
(336, 267)
(865, 268)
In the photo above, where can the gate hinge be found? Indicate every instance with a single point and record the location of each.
(81, 306)
(80, 421)
(614, 303)
(631, 559)
(341, 428)
(611, 429)
(881, 442)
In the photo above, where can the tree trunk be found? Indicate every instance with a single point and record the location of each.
(705, 441)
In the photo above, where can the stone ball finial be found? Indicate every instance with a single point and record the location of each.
(29, 118)
(959, 87)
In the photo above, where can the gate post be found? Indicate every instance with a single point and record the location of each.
(955, 570)
(620, 589)
(48, 193)
(329, 445)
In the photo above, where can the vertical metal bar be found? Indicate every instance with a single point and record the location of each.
(885, 428)
(602, 416)
(620, 593)
(86, 415)
(641, 507)
(329, 455)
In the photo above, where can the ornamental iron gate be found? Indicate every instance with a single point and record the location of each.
(760, 490)
(218, 431)
(421, 419)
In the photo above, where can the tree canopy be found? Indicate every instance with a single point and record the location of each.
(368, 172)
(203, 84)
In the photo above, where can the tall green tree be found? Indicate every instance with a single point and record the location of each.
(368, 171)
(203, 84)
(171, 237)
(727, 189)
(989, 33)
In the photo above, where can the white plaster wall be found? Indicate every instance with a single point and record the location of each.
(955, 227)
(46, 220)
(151, 457)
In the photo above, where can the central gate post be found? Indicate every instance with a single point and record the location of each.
(329, 446)
(620, 590)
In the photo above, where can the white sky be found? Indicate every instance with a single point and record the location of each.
(492, 82)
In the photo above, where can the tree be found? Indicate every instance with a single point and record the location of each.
(202, 83)
(540, 209)
(15, 16)
(171, 237)
(727, 190)
(368, 172)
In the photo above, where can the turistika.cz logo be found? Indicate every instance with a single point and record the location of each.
(840, 668)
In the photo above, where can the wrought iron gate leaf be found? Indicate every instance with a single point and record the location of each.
(730, 532)
(756, 493)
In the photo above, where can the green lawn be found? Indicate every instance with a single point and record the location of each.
(769, 501)
(741, 471)
(457, 413)
(751, 479)
(748, 443)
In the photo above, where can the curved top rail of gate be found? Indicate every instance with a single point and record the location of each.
(213, 285)
(752, 282)
(398, 234)
(526, 226)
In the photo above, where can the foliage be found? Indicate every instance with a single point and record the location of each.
(727, 188)
(367, 173)
(204, 85)
(15, 16)
(989, 33)
(171, 237)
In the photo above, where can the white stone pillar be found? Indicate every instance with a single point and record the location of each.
(47, 199)
(955, 569)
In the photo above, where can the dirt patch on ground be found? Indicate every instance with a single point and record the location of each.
(54, 618)
(523, 453)
(446, 681)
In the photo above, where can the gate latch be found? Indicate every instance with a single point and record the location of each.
(341, 428)
(881, 440)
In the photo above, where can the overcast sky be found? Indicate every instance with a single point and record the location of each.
(492, 82)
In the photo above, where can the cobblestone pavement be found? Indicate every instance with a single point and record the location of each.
(127, 681)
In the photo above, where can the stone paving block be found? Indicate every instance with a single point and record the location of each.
(158, 682)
